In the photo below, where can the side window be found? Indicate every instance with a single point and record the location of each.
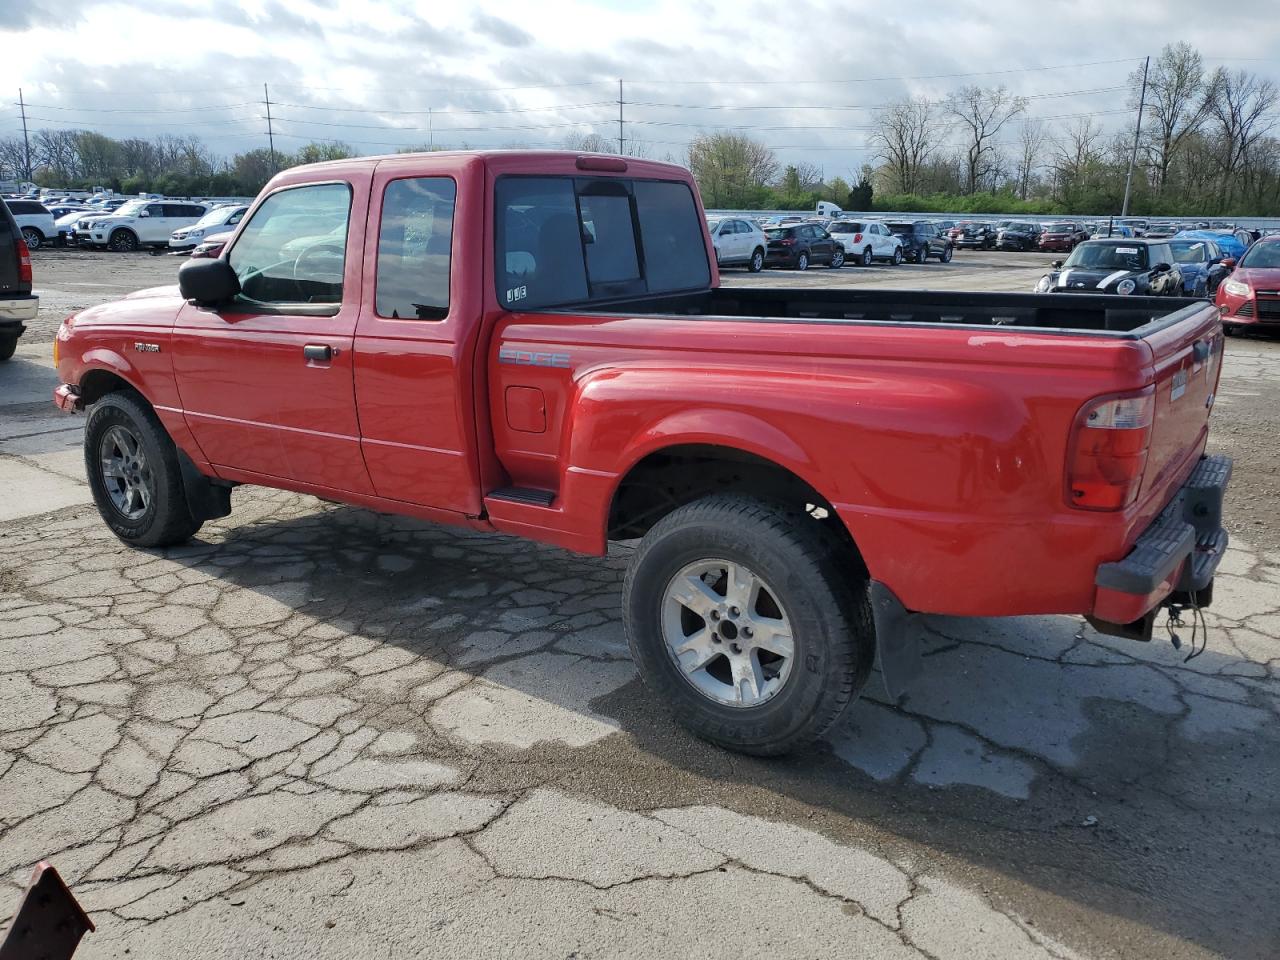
(155, 209)
(236, 217)
(294, 248)
(414, 247)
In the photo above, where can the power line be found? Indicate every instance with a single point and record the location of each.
(923, 76)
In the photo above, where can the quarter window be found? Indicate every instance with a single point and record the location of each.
(414, 248)
(293, 250)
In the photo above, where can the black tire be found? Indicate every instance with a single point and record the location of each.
(837, 258)
(123, 241)
(922, 255)
(867, 257)
(802, 260)
(756, 263)
(829, 612)
(166, 520)
(33, 237)
(7, 347)
(897, 256)
(947, 253)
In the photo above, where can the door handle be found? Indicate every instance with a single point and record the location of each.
(317, 351)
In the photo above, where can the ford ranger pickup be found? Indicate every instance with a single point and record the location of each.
(537, 344)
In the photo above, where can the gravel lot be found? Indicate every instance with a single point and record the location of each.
(320, 732)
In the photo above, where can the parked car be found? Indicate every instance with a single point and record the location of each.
(943, 227)
(216, 220)
(738, 242)
(65, 227)
(1109, 231)
(800, 470)
(1138, 226)
(1250, 294)
(1202, 263)
(34, 220)
(140, 223)
(17, 303)
(920, 241)
(212, 245)
(1225, 240)
(1127, 267)
(866, 240)
(1062, 235)
(973, 233)
(1018, 235)
(801, 244)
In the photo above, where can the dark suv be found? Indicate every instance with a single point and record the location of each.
(800, 244)
(1019, 235)
(980, 236)
(921, 240)
(16, 301)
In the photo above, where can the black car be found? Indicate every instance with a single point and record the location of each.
(1018, 235)
(16, 301)
(921, 240)
(800, 244)
(980, 236)
(1124, 266)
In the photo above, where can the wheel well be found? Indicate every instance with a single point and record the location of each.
(96, 384)
(34, 229)
(670, 478)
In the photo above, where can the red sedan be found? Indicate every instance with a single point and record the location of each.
(1062, 236)
(1250, 295)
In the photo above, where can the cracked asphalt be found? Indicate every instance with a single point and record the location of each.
(320, 732)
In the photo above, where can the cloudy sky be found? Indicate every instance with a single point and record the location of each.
(803, 77)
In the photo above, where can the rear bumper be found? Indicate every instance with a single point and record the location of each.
(15, 309)
(1179, 552)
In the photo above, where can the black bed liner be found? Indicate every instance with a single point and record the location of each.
(1127, 317)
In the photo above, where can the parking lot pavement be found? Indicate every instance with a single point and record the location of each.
(316, 731)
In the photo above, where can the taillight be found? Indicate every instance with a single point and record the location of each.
(857, 238)
(1107, 454)
(787, 241)
(24, 259)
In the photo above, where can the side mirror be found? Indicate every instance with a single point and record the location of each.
(1229, 262)
(208, 282)
(1161, 267)
(1056, 264)
(144, 213)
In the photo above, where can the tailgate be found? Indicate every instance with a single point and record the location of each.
(1188, 361)
(8, 255)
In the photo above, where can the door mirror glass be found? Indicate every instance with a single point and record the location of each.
(1057, 264)
(208, 282)
(144, 212)
(1229, 262)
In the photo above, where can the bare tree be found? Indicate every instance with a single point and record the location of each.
(982, 113)
(1077, 155)
(13, 158)
(1240, 105)
(1031, 140)
(590, 143)
(54, 151)
(1176, 104)
(729, 167)
(904, 137)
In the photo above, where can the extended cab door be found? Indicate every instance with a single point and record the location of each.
(266, 380)
(415, 341)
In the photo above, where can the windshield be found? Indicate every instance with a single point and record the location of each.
(131, 209)
(778, 233)
(1022, 227)
(1057, 228)
(1263, 256)
(845, 226)
(1108, 256)
(1190, 251)
(900, 228)
(216, 216)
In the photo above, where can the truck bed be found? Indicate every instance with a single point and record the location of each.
(1130, 317)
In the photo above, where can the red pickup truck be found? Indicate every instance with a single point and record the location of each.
(537, 344)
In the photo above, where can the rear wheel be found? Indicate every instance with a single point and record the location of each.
(123, 241)
(742, 618)
(134, 474)
(802, 261)
(7, 347)
(33, 237)
(947, 253)
(866, 257)
(757, 261)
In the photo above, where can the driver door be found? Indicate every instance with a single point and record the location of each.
(266, 381)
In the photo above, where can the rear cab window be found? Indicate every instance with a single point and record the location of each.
(563, 240)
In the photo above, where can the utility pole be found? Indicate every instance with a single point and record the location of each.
(431, 129)
(271, 136)
(1137, 135)
(26, 141)
(621, 141)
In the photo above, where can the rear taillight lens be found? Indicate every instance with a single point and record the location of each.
(787, 241)
(1108, 450)
(24, 260)
(857, 238)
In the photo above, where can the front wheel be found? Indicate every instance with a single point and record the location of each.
(802, 262)
(33, 237)
(123, 241)
(867, 256)
(134, 474)
(742, 619)
(837, 258)
(922, 255)
(897, 256)
(757, 261)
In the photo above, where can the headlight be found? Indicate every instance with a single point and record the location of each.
(1044, 285)
(1236, 288)
(194, 233)
(1125, 287)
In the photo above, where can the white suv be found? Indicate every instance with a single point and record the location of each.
(218, 220)
(34, 220)
(141, 223)
(738, 242)
(866, 240)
